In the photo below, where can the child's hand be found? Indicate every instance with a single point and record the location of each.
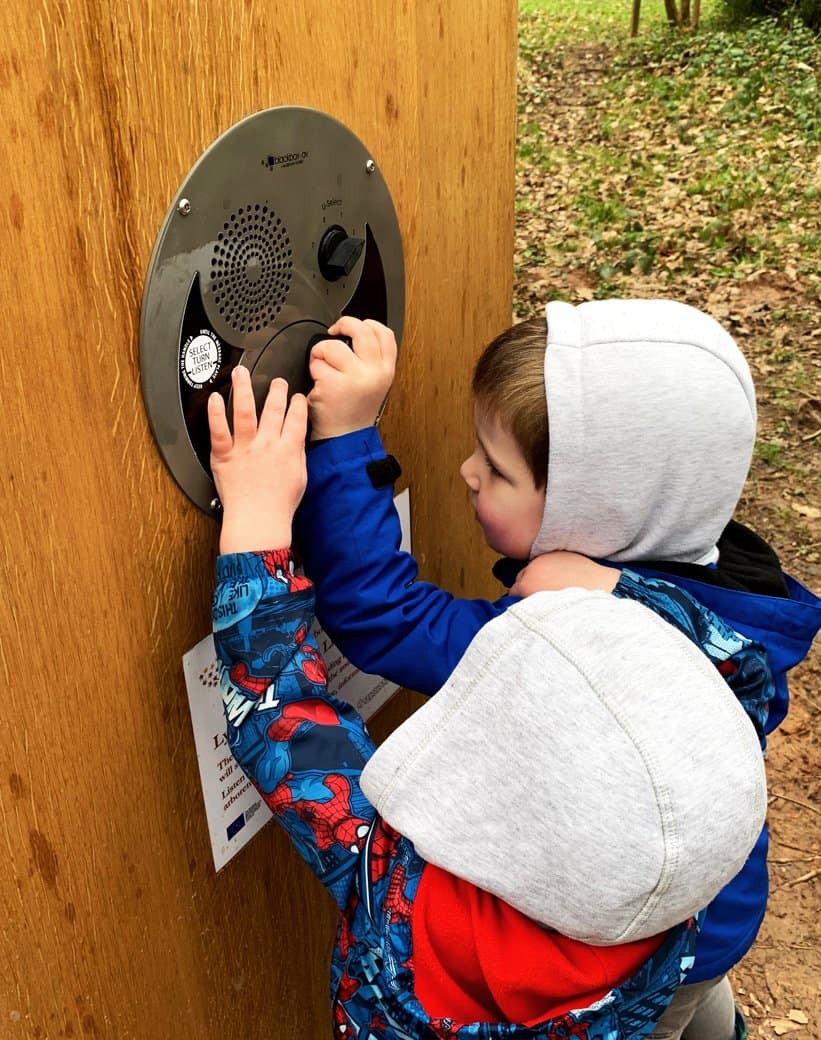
(260, 471)
(564, 570)
(350, 385)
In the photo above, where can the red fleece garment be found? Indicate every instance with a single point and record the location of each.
(475, 958)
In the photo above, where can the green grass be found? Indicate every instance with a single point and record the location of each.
(675, 155)
(598, 19)
(770, 452)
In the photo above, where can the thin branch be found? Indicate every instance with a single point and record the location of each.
(795, 801)
(795, 848)
(782, 946)
(768, 984)
(804, 877)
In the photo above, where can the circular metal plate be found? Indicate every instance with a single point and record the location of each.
(234, 276)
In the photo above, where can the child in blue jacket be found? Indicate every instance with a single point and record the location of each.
(415, 940)
(618, 429)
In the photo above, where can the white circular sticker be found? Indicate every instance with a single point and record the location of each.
(200, 358)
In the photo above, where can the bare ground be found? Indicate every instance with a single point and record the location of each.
(774, 316)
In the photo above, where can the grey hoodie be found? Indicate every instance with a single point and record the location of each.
(651, 415)
(585, 762)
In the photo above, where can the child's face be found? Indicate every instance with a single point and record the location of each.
(508, 504)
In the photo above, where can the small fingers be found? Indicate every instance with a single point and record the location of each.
(334, 353)
(273, 411)
(386, 340)
(317, 365)
(366, 344)
(244, 407)
(282, 420)
(347, 325)
(295, 426)
(221, 439)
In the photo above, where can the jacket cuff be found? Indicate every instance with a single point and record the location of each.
(244, 565)
(351, 449)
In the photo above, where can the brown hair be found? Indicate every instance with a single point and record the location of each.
(508, 382)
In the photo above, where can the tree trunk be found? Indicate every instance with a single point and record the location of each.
(671, 8)
(634, 21)
(685, 12)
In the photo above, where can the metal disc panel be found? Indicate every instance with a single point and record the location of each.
(236, 265)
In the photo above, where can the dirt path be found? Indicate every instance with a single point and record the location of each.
(774, 316)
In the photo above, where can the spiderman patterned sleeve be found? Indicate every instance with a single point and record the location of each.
(303, 749)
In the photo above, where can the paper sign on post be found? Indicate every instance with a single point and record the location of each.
(233, 807)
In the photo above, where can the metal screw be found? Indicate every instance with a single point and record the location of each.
(216, 505)
(184, 207)
(370, 166)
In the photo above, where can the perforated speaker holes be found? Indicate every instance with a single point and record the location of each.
(251, 268)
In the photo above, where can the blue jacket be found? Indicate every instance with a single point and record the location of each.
(414, 633)
(785, 625)
(304, 750)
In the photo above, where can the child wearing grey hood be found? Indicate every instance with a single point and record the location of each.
(622, 430)
(549, 887)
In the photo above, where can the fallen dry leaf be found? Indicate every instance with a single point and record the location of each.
(810, 512)
(782, 1026)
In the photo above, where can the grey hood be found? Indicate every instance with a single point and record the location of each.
(586, 763)
(651, 413)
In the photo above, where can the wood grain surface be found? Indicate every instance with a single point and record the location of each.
(113, 921)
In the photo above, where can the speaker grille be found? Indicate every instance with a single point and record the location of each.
(251, 268)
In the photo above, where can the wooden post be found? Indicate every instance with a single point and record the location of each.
(114, 923)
